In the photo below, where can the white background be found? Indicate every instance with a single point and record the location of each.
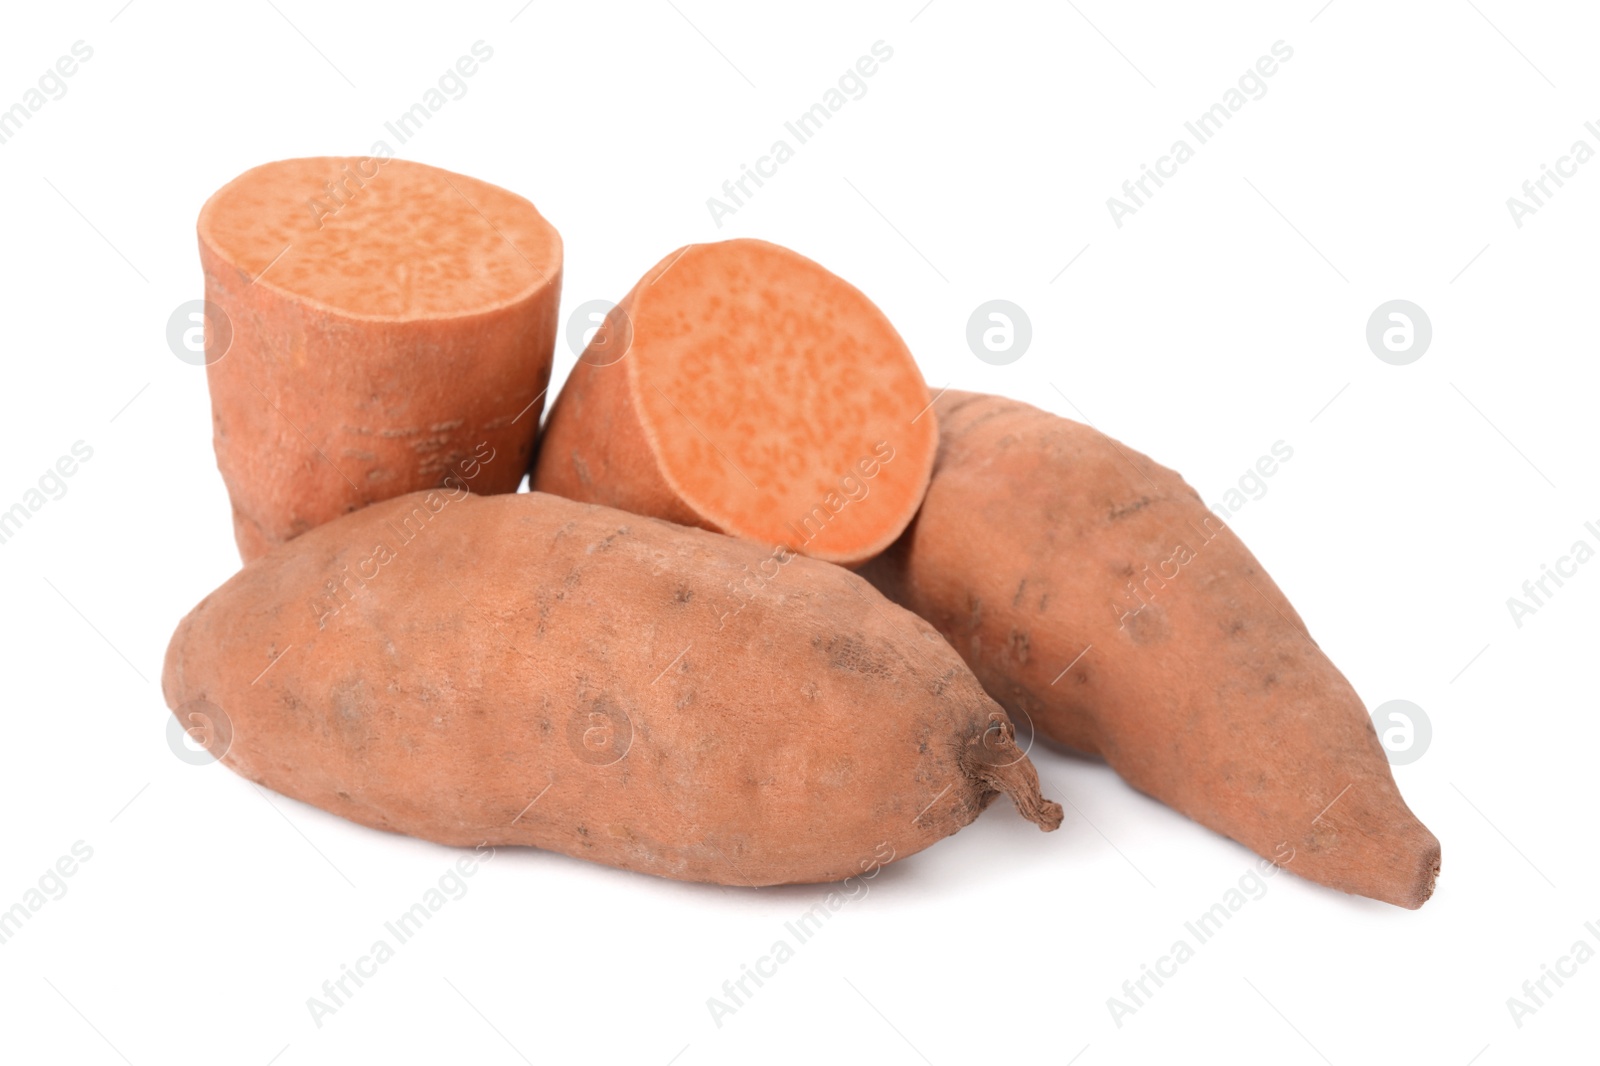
(1226, 315)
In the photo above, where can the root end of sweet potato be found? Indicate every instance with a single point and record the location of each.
(1411, 881)
(1427, 879)
(1001, 766)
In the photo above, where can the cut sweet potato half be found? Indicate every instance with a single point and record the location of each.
(392, 329)
(742, 388)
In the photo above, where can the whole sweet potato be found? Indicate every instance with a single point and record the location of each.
(1090, 589)
(524, 669)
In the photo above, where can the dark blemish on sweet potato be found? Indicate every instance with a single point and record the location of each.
(1128, 509)
(347, 703)
(1148, 625)
(856, 656)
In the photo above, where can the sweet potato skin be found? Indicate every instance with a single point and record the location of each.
(1091, 590)
(523, 669)
(594, 447)
(317, 411)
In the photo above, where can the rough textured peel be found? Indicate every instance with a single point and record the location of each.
(1091, 590)
(524, 669)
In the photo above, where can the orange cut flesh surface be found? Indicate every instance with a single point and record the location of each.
(386, 239)
(764, 382)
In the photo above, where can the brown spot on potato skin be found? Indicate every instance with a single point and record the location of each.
(853, 653)
(811, 727)
(1127, 509)
(1147, 626)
